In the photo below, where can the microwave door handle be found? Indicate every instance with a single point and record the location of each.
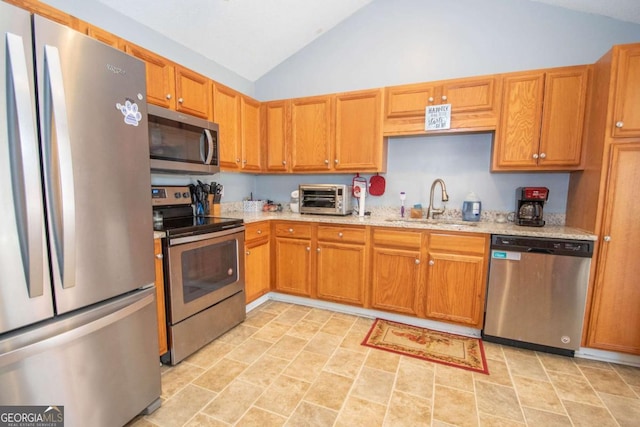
(209, 157)
(29, 179)
(56, 118)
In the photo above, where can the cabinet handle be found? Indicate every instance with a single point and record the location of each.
(340, 234)
(284, 162)
(444, 97)
(308, 249)
(244, 162)
(619, 124)
(335, 161)
(168, 96)
(159, 256)
(417, 261)
(237, 160)
(180, 100)
(535, 156)
(317, 249)
(430, 99)
(607, 238)
(259, 232)
(248, 252)
(291, 230)
(543, 155)
(326, 162)
(431, 262)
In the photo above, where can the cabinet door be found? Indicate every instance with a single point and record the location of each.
(404, 111)
(565, 97)
(615, 318)
(293, 266)
(226, 113)
(104, 36)
(455, 288)
(518, 132)
(474, 102)
(276, 136)
(359, 143)
(160, 77)
(160, 304)
(395, 280)
(257, 269)
(626, 109)
(341, 272)
(250, 121)
(311, 133)
(193, 93)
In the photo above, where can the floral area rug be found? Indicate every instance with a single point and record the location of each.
(440, 347)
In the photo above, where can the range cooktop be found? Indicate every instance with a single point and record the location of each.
(194, 225)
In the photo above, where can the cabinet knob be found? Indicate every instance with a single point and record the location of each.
(259, 231)
(284, 162)
(326, 162)
(619, 124)
(248, 252)
(244, 162)
(317, 249)
(417, 261)
(444, 97)
(308, 249)
(180, 100)
(335, 161)
(431, 262)
(430, 99)
(607, 238)
(291, 230)
(159, 256)
(340, 234)
(237, 160)
(543, 155)
(535, 156)
(168, 96)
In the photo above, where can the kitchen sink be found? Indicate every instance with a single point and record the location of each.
(441, 222)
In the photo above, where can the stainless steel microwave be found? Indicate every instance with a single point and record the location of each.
(180, 143)
(325, 199)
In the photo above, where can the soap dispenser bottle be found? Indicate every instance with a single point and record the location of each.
(471, 208)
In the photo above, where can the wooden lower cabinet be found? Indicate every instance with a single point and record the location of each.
(456, 278)
(293, 266)
(160, 305)
(341, 264)
(257, 260)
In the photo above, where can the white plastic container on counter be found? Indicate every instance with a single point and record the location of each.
(471, 208)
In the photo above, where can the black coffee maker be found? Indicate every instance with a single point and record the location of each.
(529, 205)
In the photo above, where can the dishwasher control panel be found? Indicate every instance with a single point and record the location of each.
(580, 248)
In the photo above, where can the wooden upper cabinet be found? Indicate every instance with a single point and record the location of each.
(251, 146)
(359, 145)
(542, 120)
(193, 93)
(275, 135)
(474, 105)
(104, 36)
(626, 107)
(226, 113)
(160, 76)
(49, 12)
(312, 133)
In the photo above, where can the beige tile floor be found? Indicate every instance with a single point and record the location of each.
(289, 365)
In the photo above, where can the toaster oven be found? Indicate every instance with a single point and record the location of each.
(325, 199)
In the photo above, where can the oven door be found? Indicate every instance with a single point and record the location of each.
(203, 270)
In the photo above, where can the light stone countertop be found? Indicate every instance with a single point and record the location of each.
(444, 224)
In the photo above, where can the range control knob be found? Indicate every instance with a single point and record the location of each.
(177, 195)
(185, 194)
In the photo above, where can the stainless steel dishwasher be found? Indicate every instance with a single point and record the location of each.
(536, 292)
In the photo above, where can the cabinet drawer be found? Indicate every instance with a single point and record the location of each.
(393, 238)
(294, 230)
(342, 234)
(458, 243)
(256, 230)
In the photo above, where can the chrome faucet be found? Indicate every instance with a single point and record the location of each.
(431, 211)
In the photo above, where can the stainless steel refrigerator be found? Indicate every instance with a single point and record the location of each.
(77, 310)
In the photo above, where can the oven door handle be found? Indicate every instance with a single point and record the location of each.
(199, 237)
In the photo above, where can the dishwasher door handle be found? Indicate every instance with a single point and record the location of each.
(540, 251)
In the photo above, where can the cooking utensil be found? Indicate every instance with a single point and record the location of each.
(377, 185)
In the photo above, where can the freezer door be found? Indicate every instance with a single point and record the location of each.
(101, 363)
(95, 148)
(25, 288)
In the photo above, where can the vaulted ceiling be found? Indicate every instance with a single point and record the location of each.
(250, 37)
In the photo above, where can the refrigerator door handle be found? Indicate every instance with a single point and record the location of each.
(26, 180)
(59, 135)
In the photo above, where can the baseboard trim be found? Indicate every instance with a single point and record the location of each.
(608, 356)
